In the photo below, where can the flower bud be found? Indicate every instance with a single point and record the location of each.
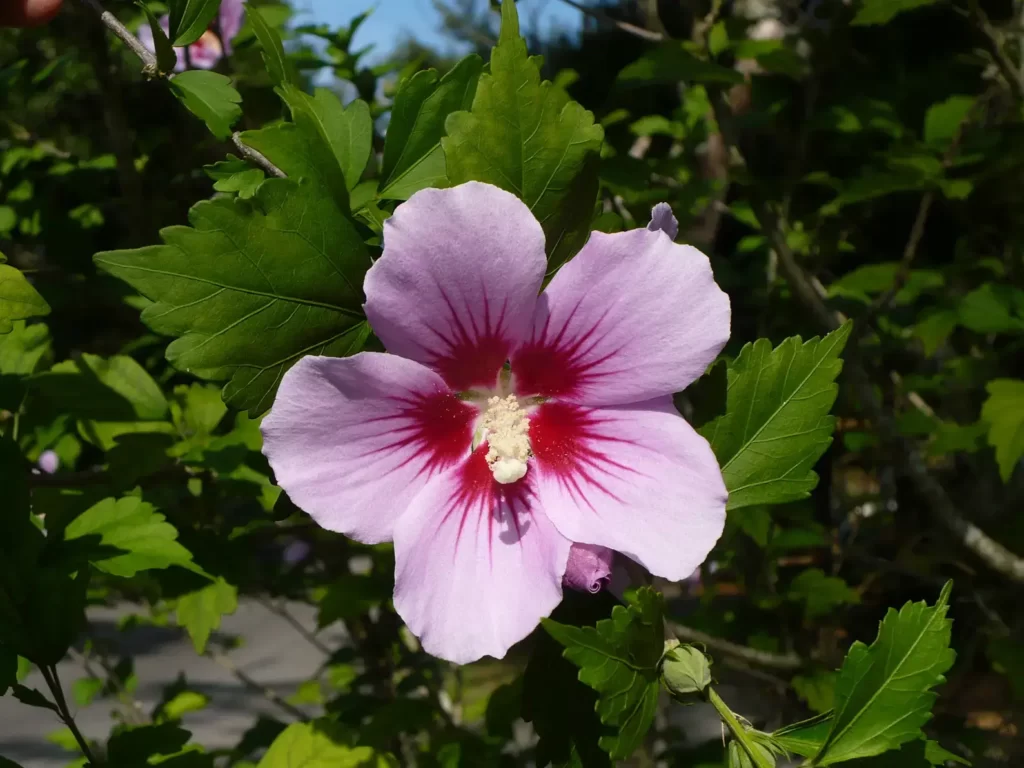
(685, 669)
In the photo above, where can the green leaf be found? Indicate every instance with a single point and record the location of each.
(18, 299)
(26, 349)
(166, 58)
(530, 138)
(253, 287)
(200, 612)
(914, 754)
(278, 66)
(993, 308)
(245, 183)
(776, 423)
(182, 704)
(884, 11)
(883, 693)
(820, 594)
(1004, 412)
(190, 19)
(133, 746)
(806, 737)
(210, 97)
(871, 279)
(413, 158)
(818, 690)
(132, 535)
(102, 389)
(30, 697)
(942, 121)
(350, 596)
(672, 63)
(319, 744)
(619, 658)
(346, 131)
(85, 689)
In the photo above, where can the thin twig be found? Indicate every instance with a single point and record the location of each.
(625, 26)
(151, 69)
(995, 47)
(783, 661)
(110, 20)
(256, 158)
(309, 637)
(268, 693)
(53, 683)
(135, 711)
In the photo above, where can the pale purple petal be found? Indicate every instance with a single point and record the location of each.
(632, 317)
(589, 568)
(663, 219)
(205, 52)
(457, 284)
(230, 20)
(49, 462)
(352, 440)
(636, 479)
(477, 565)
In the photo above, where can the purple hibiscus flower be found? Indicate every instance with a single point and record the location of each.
(506, 426)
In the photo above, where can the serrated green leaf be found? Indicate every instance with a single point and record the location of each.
(346, 132)
(673, 63)
(1004, 412)
(210, 97)
(18, 299)
(776, 423)
(884, 11)
(278, 66)
(619, 659)
(413, 158)
(942, 121)
(166, 58)
(102, 389)
(189, 19)
(530, 138)
(253, 287)
(200, 612)
(993, 308)
(319, 744)
(806, 737)
(132, 537)
(245, 183)
(883, 693)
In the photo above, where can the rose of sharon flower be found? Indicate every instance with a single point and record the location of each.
(506, 425)
(205, 52)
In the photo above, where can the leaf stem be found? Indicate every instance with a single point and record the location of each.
(119, 29)
(49, 672)
(739, 732)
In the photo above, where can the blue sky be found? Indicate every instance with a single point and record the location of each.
(394, 19)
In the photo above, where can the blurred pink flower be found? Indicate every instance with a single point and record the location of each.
(508, 425)
(205, 52)
(49, 462)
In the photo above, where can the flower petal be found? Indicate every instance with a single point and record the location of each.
(637, 479)
(589, 568)
(632, 317)
(477, 564)
(352, 440)
(458, 281)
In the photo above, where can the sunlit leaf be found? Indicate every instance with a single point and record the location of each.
(210, 97)
(18, 299)
(1004, 412)
(318, 744)
(200, 612)
(528, 137)
(776, 423)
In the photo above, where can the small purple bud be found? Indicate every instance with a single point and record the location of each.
(663, 219)
(589, 568)
(49, 462)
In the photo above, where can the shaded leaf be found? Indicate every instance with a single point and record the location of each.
(190, 19)
(776, 425)
(166, 58)
(820, 594)
(528, 137)
(673, 63)
(278, 66)
(210, 97)
(1004, 412)
(253, 287)
(884, 11)
(619, 659)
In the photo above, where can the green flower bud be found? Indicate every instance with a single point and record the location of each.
(685, 669)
